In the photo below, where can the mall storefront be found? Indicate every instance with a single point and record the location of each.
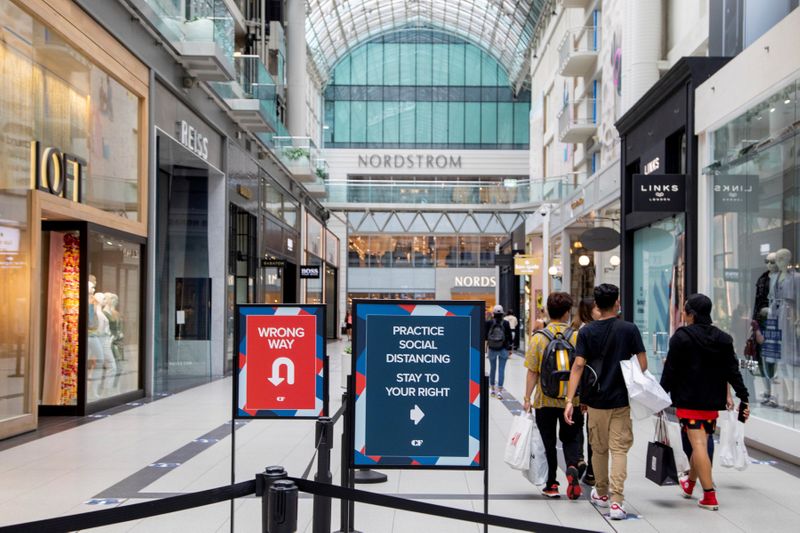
(750, 244)
(73, 215)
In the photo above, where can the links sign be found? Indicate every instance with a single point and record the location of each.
(417, 401)
(281, 361)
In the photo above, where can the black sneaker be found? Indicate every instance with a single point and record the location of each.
(574, 484)
(589, 479)
(582, 466)
(551, 490)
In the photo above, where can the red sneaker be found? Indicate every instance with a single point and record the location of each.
(709, 500)
(551, 490)
(573, 483)
(687, 486)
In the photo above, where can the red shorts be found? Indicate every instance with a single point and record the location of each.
(697, 419)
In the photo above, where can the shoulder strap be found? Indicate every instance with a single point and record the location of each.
(547, 333)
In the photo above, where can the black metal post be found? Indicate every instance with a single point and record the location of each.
(270, 475)
(280, 504)
(322, 505)
(344, 507)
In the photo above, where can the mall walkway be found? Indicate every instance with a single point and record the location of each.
(180, 444)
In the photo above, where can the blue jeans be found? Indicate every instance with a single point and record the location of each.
(494, 355)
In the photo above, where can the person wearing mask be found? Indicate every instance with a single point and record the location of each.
(587, 312)
(550, 410)
(498, 341)
(700, 364)
(601, 346)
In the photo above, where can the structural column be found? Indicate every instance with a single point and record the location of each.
(641, 44)
(297, 76)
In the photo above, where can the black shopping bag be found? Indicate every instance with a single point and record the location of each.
(660, 467)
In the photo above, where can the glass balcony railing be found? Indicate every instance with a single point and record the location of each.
(252, 97)
(298, 154)
(577, 120)
(507, 192)
(578, 52)
(201, 31)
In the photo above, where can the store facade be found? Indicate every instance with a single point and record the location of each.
(74, 215)
(750, 178)
(659, 204)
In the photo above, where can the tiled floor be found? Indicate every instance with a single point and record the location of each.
(181, 444)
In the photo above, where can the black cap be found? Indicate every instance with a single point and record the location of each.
(699, 306)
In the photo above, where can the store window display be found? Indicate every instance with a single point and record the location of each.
(755, 178)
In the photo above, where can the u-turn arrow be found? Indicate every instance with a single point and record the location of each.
(275, 378)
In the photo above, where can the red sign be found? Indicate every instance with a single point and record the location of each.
(281, 362)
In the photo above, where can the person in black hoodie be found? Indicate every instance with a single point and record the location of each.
(700, 364)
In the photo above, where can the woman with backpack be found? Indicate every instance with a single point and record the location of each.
(498, 341)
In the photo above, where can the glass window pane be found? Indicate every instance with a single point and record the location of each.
(407, 122)
(521, 123)
(424, 63)
(358, 71)
(488, 122)
(374, 122)
(341, 124)
(456, 123)
(457, 71)
(408, 74)
(391, 64)
(341, 75)
(391, 122)
(375, 64)
(488, 70)
(505, 123)
(472, 66)
(469, 250)
(472, 122)
(358, 122)
(423, 122)
(440, 64)
(440, 122)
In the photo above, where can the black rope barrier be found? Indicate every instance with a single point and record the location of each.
(136, 511)
(403, 504)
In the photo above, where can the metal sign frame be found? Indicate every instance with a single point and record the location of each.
(322, 385)
(478, 406)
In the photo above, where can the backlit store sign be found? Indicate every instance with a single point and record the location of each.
(408, 161)
(475, 281)
(49, 172)
(659, 192)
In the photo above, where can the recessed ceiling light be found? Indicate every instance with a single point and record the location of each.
(772, 110)
(787, 101)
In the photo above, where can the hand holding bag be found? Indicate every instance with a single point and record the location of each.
(732, 451)
(660, 467)
(644, 391)
(518, 444)
(537, 461)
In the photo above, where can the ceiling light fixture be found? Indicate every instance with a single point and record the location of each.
(584, 260)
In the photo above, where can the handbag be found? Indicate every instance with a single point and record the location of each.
(537, 460)
(644, 391)
(660, 467)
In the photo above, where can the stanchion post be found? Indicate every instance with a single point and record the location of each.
(322, 504)
(344, 507)
(279, 507)
(264, 481)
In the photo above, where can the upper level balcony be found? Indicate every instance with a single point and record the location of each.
(299, 155)
(201, 32)
(250, 98)
(510, 193)
(577, 120)
(578, 51)
(576, 3)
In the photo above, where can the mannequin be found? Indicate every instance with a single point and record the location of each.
(106, 364)
(784, 297)
(94, 346)
(763, 385)
(115, 325)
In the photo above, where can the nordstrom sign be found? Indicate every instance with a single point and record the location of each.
(407, 161)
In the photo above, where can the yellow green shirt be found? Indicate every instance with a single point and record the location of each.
(533, 362)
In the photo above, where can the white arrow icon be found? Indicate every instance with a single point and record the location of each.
(416, 414)
(275, 379)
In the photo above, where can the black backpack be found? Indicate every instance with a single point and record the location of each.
(496, 336)
(557, 362)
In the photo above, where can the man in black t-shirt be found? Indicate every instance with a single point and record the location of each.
(601, 345)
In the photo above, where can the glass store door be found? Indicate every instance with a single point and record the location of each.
(659, 284)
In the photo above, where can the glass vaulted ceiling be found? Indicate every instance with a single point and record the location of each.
(503, 28)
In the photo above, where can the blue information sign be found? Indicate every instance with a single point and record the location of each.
(418, 368)
(771, 349)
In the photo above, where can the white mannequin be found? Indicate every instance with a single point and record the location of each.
(783, 307)
(94, 345)
(107, 364)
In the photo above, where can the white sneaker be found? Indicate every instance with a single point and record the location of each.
(617, 512)
(599, 501)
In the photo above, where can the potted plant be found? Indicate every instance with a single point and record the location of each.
(294, 153)
(321, 173)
